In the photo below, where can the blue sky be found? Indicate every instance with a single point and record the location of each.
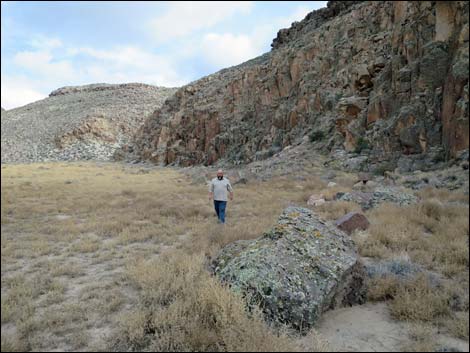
(47, 45)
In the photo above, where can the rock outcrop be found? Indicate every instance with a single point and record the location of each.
(388, 80)
(83, 122)
(299, 269)
(370, 199)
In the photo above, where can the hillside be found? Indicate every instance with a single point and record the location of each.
(377, 85)
(82, 122)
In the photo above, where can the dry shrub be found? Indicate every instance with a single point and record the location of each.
(385, 288)
(422, 339)
(129, 193)
(418, 300)
(443, 195)
(434, 235)
(13, 343)
(336, 209)
(183, 308)
(87, 244)
(370, 247)
(346, 179)
(313, 185)
(458, 325)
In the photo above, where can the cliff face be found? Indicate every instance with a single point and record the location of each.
(388, 78)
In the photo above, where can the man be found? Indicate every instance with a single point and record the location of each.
(218, 189)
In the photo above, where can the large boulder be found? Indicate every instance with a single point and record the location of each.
(300, 268)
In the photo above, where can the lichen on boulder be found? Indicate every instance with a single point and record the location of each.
(300, 268)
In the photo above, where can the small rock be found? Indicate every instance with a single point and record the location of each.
(62, 217)
(364, 177)
(352, 221)
(331, 184)
(316, 200)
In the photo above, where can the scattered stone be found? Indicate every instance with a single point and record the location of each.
(352, 221)
(331, 184)
(62, 217)
(316, 200)
(302, 267)
(330, 175)
(382, 194)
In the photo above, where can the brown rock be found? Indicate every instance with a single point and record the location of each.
(352, 221)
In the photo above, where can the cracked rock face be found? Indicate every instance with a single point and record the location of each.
(389, 76)
(300, 268)
(75, 123)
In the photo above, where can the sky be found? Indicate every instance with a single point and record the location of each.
(46, 45)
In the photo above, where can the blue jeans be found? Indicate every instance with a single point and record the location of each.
(220, 210)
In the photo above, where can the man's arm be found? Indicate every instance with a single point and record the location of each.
(230, 190)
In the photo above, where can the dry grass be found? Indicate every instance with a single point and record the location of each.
(334, 210)
(433, 234)
(73, 232)
(418, 300)
(422, 339)
(103, 256)
(183, 308)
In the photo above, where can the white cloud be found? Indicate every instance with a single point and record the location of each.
(132, 64)
(184, 17)
(18, 91)
(121, 64)
(227, 49)
(45, 43)
(51, 64)
(40, 63)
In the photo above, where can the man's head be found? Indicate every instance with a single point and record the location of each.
(220, 174)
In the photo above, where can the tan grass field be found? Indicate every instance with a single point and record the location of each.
(103, 256)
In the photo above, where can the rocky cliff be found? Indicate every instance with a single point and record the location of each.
(385, 82)
(81, 122)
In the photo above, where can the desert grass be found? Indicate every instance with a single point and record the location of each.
(422, 339)
(433, 234)
(79, 239)
(103, 256)
(183, 308)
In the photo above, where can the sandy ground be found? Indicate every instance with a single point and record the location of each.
(369, 328)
